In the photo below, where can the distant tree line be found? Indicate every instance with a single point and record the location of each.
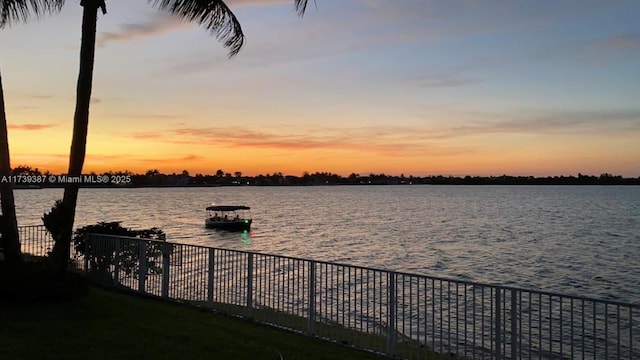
(154, 178)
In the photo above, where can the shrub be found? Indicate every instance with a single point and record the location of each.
(104, 254)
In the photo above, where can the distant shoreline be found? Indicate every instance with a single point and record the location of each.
(306, 185)
(33, 179)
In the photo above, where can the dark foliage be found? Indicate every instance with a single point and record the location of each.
(54, 220)
(113, 228)
(58, 222)
(33, 282)
(123, 252)
(12, 11)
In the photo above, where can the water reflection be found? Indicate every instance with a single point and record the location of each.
(229, 239)
(245, 237)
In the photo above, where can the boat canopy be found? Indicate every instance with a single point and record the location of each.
(227, 207)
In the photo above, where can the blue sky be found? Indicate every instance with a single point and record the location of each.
(413, 87)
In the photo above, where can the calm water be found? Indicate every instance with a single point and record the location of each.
(582, 240)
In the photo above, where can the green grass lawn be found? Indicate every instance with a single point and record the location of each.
(112, 325)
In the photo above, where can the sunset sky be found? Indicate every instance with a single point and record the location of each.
(446, 87)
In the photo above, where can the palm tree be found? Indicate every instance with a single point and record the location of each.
(14, 11)
(213, 15)
(9, 241)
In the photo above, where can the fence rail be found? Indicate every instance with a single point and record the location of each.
(400, 314)
(35, 240)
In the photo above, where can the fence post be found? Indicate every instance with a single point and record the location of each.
(250, 286)
(166, 253)
(514, 324)
(86, 253)
(391, 313)
(311, 326)
(116, 258)
(211, 268)
(142, 268)
(498, 319)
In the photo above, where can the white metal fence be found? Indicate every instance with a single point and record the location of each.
(35, 240)
(403, 315)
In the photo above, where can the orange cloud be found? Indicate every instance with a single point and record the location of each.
(154, 116)
(38, 96)
(147, 136)
(391, 141)
(31, 127)
(173, 160)
(57, 163)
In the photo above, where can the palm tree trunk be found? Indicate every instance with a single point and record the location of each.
(8, 223)
(62, 246)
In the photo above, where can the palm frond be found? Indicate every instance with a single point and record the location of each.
(12, 11)
(301, 6)
(213, 15)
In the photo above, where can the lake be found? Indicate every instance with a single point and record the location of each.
(580, 240)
